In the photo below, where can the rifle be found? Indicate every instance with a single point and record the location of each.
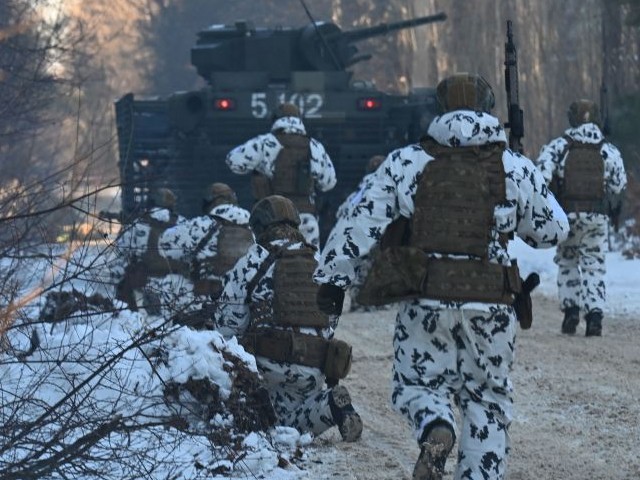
(515, 122)
(604, 105)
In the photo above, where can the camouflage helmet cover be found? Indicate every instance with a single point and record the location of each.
(374, 163)
(218, 194)
(583, 111)
(163, 198)
(465, 91)
(286, 110)
(272, 210)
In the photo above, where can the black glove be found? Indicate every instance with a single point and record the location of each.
(330, 299)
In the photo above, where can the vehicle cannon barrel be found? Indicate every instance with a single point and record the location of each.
(384, 28)
(316, 47)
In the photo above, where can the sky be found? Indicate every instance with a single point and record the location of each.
(196, 355)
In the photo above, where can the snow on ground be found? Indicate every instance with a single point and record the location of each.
(265, 452)
(622, 280)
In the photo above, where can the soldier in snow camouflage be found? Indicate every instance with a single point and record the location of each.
(343, 212)
(146, 277)
(588, 176)
(287, 162)
(452, 338)
(210, 245)
(268, 302)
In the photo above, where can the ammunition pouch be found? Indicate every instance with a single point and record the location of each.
(403, 273)
(471, 281)
(338, 362)
(332, 357)
(396, 274)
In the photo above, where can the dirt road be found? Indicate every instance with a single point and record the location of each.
(577, 404)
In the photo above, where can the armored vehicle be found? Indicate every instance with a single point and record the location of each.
(181, 141)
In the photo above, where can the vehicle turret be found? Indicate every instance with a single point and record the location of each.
(275, 53)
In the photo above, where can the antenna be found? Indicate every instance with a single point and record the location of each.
(335, 59)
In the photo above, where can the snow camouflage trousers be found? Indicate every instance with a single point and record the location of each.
(581, 263)
(310, 229)
(465, 354)
(298, 395)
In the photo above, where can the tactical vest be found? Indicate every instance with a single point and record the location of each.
(294, 292)
(453, 215)
(582, 188)
(155, 265)
(152, 264)
(294, 305)
(233, 242)
(292, 174)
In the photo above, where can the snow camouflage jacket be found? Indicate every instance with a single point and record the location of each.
(181, 241)
(551, 159)
(530, 210)
(260, 153)
(345, 208)
(232, 317)
(133, 242)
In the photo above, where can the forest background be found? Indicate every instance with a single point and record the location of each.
(64, 62)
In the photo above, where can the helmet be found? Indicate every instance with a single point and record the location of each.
(465, 91)
(218, 194)
(374, 163)
(286, 110)
(273, 210)
(163, 198)
(583, 111)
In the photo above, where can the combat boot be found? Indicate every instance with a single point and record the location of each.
(348, 421)
(594, 323)
(435, 445)
(571, 320)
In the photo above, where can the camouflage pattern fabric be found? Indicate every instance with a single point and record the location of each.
(430, 335)
(259, 154)
(362, 270)
(581, 263)
(161, 295)
(580, 259)
(180, 242)
(463, 355)
(298, 393)
(310, 229)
